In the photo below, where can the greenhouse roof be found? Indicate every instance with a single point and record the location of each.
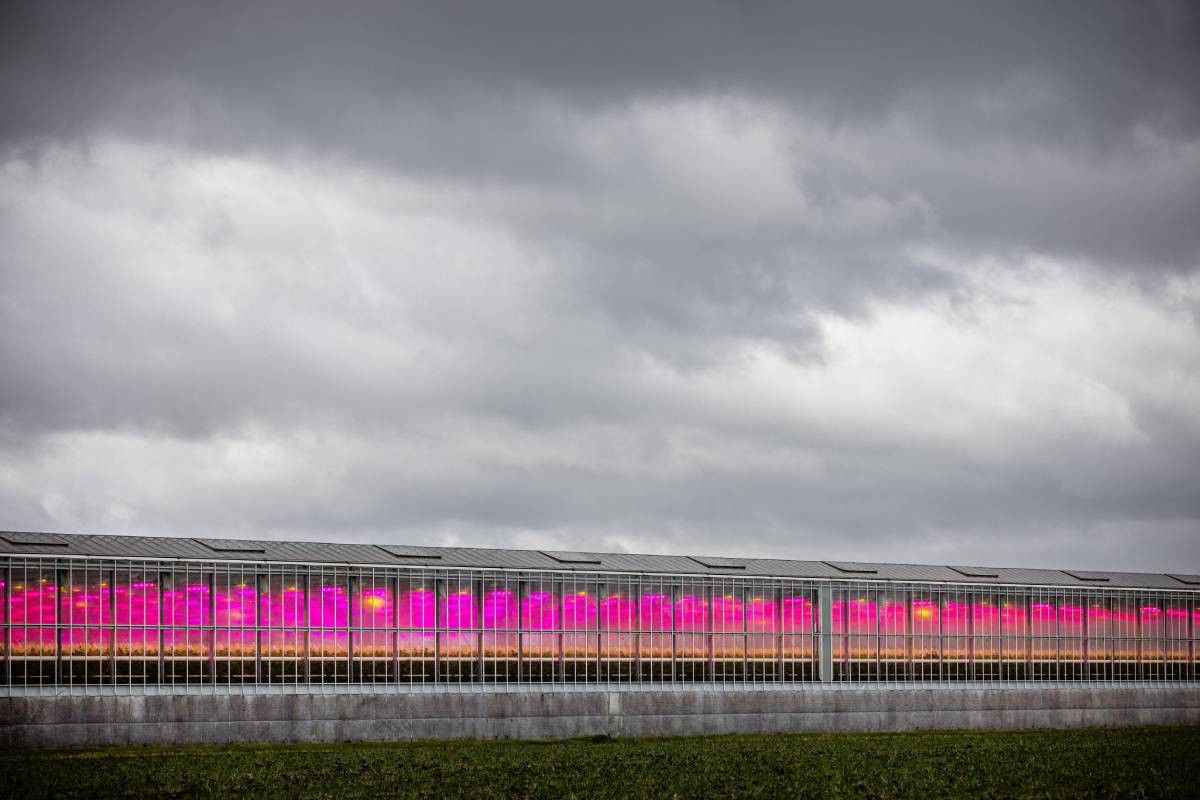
(210, 549)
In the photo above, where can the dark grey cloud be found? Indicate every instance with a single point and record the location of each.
(870, 280)
(481, 91)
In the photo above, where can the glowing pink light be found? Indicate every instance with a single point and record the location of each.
(539, 611)
(580, 611)
(762, 616)
(797, 614)
(417, 609)
(656, 612)
(616, 613)
(458, 610)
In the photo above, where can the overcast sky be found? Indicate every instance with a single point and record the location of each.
(911, 282)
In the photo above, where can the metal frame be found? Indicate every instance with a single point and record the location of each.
(528, 652)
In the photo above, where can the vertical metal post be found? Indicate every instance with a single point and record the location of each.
(1085, 609)
(635, 599)
(940, 599)
(910, 669)
(7, 623)
(671, 599)
(112, 623)
(394, 631)
(1002, 599)
(970, 648)
(599, 637)
(163, 577)
(61, 579)
(1110, 639)
(1027, 597)
(825, 608)
(522, 590)
(777, 597)
(211, 628)
(1190, 673)
(353, 587)
(710, 636)
(480, 660)
(561, 657)
(1139, 670)
(261, 589)
(744, 592)
(874, 593)
(306, 636)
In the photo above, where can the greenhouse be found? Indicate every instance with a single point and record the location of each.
(103, 614)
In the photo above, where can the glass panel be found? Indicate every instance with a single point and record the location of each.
(617, 619)
(1099, 630)
(580, 623)
(86, 613)
(32, 612)
(692, 622)
(1175, 613)
(1043, 625)
(580, 618)
(1070, 634)
(762, 623)
(1154, 628)
(281, 612)
(862, 633)
(328, 623)
(656, 622)
(955, 626)
(1124, 622)
(458, 619)
(416, 617)
(500, 610)
(539, 618)
(186, 612)
(927, 639)
(137, 613)
(893, 636)
(236, 616)
(372, 616)
(797, 620)
(187, 637)
(1014, 630)
(728, 617)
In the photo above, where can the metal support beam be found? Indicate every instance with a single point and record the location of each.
(480, 658)
(353, 587)
(211, 628)
(7, 625)
(261, 590)
(112, 625)
(1193, 607)
(163, 577)
(522, 592)
(62, 581)
(306, 637)
(910, 669)
(825, 608)
(970, 648)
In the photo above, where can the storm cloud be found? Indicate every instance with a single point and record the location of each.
(914, 282)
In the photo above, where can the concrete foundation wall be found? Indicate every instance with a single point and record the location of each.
(179, 719)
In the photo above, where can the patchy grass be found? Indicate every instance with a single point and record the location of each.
(1130, 762)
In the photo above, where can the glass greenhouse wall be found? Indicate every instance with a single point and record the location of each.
(105, 624)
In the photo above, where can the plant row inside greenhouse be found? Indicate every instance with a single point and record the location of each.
(68, 623)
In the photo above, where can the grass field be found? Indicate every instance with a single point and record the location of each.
(1143, 762)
